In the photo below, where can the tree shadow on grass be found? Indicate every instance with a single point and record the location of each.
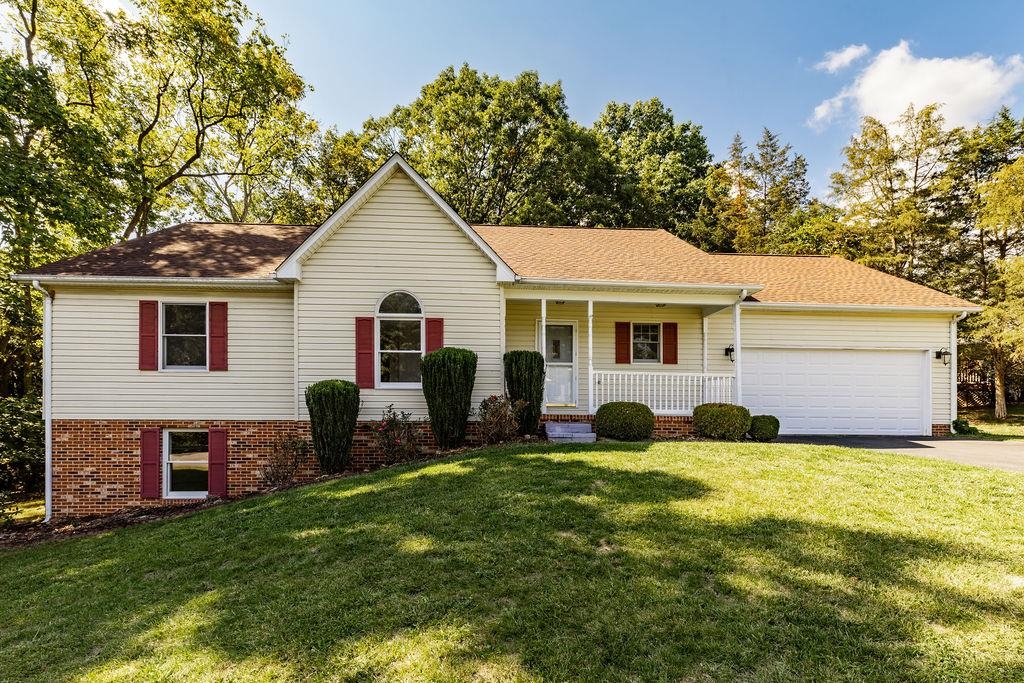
(555, 565)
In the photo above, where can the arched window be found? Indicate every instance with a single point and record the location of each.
(399, 340)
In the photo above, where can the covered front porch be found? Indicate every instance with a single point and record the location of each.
(671, 350)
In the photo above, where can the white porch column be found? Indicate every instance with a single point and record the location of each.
(703, 357)
(738, 355)
(544, 350)
(590, 356)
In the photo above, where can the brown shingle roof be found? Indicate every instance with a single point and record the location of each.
(237, 250)
(629, 255)
(229, 250)
(831, 281)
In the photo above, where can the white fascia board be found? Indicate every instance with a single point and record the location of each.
(291, 268)
(857, 308)
(215, 282)
(628, 284)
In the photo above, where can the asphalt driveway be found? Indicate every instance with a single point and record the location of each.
(999, 455)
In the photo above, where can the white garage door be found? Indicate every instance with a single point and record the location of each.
(839, 391)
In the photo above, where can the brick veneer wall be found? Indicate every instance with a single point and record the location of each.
(942, 430)
(96, 463)
(665, 426)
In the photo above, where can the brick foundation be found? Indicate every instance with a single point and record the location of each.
(96, 462)
(942, 430)
(665, 426)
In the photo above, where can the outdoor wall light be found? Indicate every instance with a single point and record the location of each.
(944, 355)
(730, 352)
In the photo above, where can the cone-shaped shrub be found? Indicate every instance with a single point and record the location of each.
(448, 377)
(333, 407)
(524, 381)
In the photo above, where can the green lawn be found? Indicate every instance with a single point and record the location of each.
(1010, 429)
(690, 561)
(29, 510)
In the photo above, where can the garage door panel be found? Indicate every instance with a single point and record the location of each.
(838, 391)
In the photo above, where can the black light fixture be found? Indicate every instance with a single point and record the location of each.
(730, 352)
(944, 355)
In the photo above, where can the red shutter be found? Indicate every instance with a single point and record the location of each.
(218, 314)
(622, 343)
(218, 453)
(364, 353)
(149, 477)
(435, 334)
(670, 343)
(148, 323)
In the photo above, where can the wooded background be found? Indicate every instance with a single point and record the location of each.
(116, 124)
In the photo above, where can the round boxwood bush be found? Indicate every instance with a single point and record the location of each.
(333, 407)
(625, 421)
(524, 384)
(764, 428)
(448, 378)
(723, 421)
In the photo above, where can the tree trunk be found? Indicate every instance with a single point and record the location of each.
(999, 366)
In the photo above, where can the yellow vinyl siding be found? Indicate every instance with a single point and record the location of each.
(96, 359)
(840, 329)
(397, 240)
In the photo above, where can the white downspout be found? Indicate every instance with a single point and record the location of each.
(953, 367)
(47, 399)
(590, 356)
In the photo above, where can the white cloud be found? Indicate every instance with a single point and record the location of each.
(837, 60)
(969, 88)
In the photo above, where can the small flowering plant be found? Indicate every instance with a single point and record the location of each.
(395, 435)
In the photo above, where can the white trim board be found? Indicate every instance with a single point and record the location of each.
(291, 268)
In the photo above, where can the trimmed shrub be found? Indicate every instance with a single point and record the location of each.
(524, 384)
(395, 435)
(625, 421)
(962, 425)
(333, 407)
(448, 378)
(289, 454)
(22, 445)
(723, 421)
(764, 428)
(498, 421)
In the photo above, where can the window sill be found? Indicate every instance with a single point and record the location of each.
(191, 495)
(399, 385)
(185, 369)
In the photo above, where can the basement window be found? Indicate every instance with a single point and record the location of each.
(186, 463)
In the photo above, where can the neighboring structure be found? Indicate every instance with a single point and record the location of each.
(174, 360)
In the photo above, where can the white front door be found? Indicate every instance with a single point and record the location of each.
(839, 391)
(560, 354)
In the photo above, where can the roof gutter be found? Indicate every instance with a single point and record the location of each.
(227, 282)
(47, 393)
(623, 284)
(854, 308)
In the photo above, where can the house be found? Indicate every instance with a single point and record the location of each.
(173, 361)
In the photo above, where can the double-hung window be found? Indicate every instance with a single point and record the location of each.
(183, 336)
(186, 463)
(646, 342)
(399, 340)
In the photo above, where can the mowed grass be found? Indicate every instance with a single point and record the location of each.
(1009, 429)
(688, 561)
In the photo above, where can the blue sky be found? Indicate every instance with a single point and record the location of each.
(729, 66)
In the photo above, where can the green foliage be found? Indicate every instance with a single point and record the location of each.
(395, 435)
(524, 384)
(723, 421)
(22, 445)
(962, 425)
(625, 421)
(333, 406)
(287, 457)
(498, 421)
(448, 378)
(764, 428)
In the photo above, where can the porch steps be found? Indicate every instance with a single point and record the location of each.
(569, 432)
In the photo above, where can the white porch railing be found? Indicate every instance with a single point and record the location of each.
(665, 393)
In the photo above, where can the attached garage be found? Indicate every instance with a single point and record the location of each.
(840, 391)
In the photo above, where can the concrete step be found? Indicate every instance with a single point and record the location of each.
(569, 432)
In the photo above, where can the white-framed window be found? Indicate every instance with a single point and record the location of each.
(646, 343)
(400, 341)
(186, 463)
(184, 336)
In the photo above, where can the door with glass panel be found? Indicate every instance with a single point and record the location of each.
(560, 354)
